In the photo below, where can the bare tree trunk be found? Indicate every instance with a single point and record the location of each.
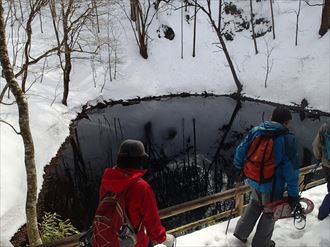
(27, 51)
(115, 73)
(67, 51)
(143, 46)
(252, 26)
(269, 63)
(325, 21)
(182, 29)
(141, 27)
(194, 37)
(133, 9)
(52, 8)
(297, 23)
(30, 166)
(219, 15)
(223, 45)
(109, 50)
(66, 77)
(67, 70)
(40, 21)
(272, 13)
(21, 9)
(97, 15)
(144, 16)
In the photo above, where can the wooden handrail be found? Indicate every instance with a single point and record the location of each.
(201, 202)
(307, 169)
(72, 241)
(220, 197)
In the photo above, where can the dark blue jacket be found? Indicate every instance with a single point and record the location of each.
(285, 153)
(324, 210)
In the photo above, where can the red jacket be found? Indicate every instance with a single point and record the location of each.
(140, 202)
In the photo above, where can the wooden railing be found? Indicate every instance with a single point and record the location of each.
(238, 193)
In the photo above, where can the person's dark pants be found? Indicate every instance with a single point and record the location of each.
(249, 219)
(324, 209)
(326, 172)
(150, 244)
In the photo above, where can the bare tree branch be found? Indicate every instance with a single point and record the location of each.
(313, 5)
(14, 102)
(269, 64)
(17, 132)
(34, 9)
(297, 23)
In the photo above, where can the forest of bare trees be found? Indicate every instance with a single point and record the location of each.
(72, 24)
(78, 31)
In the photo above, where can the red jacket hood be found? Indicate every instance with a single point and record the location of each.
(118, 179)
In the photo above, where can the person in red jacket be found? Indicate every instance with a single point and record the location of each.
(140, 201)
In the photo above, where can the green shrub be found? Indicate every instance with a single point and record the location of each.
(53, 228)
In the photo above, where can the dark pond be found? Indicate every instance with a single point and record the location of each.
(191, 141)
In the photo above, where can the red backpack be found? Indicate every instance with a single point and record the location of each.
(260, 163)
(111, 226)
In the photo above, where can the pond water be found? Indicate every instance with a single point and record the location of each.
(191, 141)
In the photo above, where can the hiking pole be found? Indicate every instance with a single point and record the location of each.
(232, 208)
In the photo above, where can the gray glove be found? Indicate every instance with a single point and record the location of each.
(170, 240)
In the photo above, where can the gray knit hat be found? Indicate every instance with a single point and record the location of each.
(132, 149)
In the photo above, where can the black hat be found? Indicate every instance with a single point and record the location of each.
(281, 114)
(132, 149)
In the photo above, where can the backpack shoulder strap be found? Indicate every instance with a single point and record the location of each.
(249, 154)
(122, 196)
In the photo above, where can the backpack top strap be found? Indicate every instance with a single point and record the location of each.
(122, 195)
(249, 154)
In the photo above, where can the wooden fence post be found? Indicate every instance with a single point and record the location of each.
(301, 179)
(239, 203)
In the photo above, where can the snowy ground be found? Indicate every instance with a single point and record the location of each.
(298, 72)
(316, 233)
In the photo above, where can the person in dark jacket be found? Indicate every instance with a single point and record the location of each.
(322, 154)
(141, 206)
(285, 178)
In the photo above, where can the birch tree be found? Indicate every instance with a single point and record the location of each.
(25, 132)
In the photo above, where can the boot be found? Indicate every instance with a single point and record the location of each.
(243, 240)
